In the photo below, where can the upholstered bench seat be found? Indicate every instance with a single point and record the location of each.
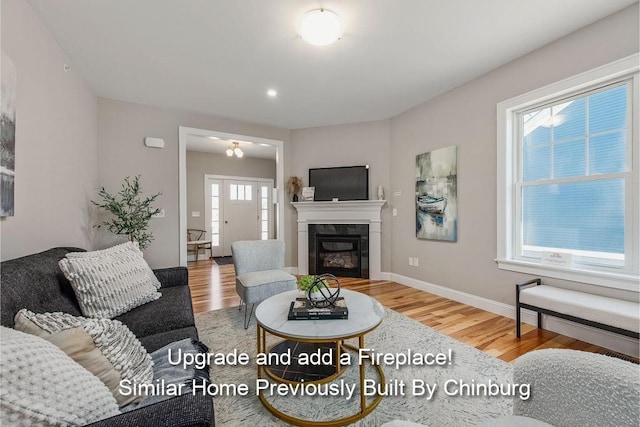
(256, 286)
(609, 311)
(610, 314)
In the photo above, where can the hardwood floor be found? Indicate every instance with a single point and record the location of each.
(213, 287)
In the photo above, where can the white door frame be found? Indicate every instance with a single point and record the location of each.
(223, 178)
(279, 198)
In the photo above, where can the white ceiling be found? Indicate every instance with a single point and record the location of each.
(219, 57)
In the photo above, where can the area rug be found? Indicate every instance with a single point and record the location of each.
(223, 260)
(222, 331)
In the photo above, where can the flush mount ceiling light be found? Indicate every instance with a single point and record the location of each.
(320, 27)
(235, 149)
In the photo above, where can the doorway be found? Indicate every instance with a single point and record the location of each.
(277, 194)
(237, 208)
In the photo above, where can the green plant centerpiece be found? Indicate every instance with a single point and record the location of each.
(131, 211)
(318, 290)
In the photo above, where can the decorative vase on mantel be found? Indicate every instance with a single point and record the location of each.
(380, 192)
(295, 197)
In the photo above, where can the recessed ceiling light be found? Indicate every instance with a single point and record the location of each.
(213, 137)
(272, 93)
(320, 27)
(264, 145)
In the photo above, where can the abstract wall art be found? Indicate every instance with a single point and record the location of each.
(7, 135)
(437, 194)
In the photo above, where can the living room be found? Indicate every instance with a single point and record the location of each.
(71, 138)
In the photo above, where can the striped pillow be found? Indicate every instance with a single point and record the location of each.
(112, 281)
(106, 348)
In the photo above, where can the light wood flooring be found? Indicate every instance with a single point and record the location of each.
(213, 287)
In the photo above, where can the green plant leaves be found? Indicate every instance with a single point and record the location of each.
(131, 211)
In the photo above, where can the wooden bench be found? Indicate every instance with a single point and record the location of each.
(609, 314)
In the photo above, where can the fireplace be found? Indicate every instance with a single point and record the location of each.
(339, 249)
(327, 218)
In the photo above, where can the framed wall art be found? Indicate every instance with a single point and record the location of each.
(7, 136)
(437, 194)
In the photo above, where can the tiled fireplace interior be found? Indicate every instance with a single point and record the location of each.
(339, 249)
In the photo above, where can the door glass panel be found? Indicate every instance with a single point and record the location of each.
(215, 214)
(264, 212)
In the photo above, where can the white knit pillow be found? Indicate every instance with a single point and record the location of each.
(42, 386)
(106, 348)
(111, 281)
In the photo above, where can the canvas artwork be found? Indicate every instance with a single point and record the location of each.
(7, 136)
(437, 194)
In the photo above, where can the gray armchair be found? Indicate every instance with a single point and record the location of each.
(259, 273)
(571, 388)
(575, 388)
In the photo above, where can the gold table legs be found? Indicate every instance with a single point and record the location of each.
(341, 346)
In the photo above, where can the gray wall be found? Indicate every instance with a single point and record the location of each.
(56, 141)
(122, 127)
(346, 145)
(199, 164)
(466, 117)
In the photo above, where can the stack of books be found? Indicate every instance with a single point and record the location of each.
(302, 309)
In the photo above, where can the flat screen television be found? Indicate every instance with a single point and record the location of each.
(342, 183)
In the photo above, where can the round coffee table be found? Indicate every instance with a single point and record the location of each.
(365, 314)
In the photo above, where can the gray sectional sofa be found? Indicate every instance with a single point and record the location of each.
(36, 283)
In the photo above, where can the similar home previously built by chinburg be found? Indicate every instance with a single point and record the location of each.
(447, 152)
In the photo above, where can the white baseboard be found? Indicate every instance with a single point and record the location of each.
(291, 270)
(384, 275)
(585, 333)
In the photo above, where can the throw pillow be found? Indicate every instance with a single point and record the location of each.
(111, 281)
(42, 386)
(167, 375)
(106, 348)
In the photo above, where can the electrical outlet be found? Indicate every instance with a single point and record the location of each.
(195, 214)
(411, 261)
(397, 193)
(159, 214)
(415, 261)
(394, 212)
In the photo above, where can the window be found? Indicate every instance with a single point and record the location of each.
(215, 214)
(240, 192)
(568, 178)
(264, 212)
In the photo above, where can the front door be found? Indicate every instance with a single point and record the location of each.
(237, 209)
(241, 220)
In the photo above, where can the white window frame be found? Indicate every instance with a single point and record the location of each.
(627, 278)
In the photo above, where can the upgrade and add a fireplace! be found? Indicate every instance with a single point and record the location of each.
(342, 238)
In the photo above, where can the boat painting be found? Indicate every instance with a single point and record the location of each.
(429, 204)
(437, 195)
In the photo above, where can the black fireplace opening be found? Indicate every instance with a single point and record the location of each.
(338, 255)
(339, 249)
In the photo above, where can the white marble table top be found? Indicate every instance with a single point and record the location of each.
(365, 313)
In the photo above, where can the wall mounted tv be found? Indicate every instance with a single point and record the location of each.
(342, 183)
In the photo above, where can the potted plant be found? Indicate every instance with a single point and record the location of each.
(311, 285)
(294, 185)
(131, 211)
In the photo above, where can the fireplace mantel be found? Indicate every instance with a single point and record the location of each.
(341, 212)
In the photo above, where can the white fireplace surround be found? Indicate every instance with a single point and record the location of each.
(341, 212)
